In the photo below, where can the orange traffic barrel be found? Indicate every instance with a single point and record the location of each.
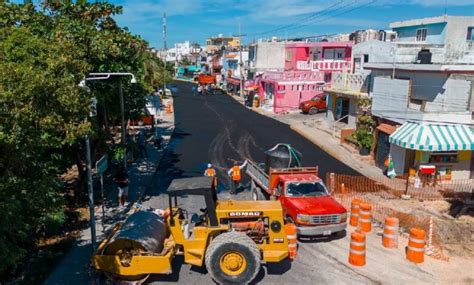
(416, 246)
(291, 236)
(357, 249)
(355, 204)
(390, 233)
(365, 217)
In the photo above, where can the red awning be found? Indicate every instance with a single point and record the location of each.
(386, 128)
(233, 81)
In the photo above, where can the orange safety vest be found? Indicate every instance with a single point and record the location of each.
(236, 173)
(210, 172)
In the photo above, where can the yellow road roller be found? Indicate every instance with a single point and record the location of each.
(231, 238)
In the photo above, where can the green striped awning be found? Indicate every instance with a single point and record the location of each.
(434, 137)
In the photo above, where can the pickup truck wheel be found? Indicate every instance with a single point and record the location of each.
(233, 258)
(289, 220)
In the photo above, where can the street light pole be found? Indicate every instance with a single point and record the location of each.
(90, 186)
(166, 54)
(241, 65)
(122, 111)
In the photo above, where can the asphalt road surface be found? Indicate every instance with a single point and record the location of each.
(220, 130)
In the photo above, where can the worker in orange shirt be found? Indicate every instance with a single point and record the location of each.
(211, 172)
(235, 174)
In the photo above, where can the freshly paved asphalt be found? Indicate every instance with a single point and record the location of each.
(220, 130)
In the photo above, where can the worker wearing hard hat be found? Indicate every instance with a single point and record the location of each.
(211, 172)
(235, 174)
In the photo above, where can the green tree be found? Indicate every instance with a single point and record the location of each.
(45, 51)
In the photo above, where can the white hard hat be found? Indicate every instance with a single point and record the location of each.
(209, 165)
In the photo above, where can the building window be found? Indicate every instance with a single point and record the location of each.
(421, 35)
(470, 34)
(366, 58)
(327, 77)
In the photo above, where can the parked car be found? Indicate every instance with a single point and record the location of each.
(314, 105)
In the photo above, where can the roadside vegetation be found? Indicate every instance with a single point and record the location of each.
(46, 49)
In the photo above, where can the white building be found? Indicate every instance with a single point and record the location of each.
(179, 51)
(422, 89)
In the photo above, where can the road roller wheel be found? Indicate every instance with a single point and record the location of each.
(233, 258)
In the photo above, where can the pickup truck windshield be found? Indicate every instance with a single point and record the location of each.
(301, 189)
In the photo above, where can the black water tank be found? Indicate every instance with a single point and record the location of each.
(424, 56)
(282, 156)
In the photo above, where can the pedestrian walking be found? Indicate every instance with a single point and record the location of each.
(235, 174)
(193, 90)
(142, 144)
(199, 90)
(121, 179)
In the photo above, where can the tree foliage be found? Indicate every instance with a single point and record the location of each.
(45, 51)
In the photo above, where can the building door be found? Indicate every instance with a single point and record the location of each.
(345, 111)
(409, 160)
(383, 149)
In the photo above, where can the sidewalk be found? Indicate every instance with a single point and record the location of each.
(310, 127)
(75, 267)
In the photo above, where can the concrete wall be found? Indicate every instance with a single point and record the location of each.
(442, 92)
(456, 32)
(398, 157)
(389, 97)
(446, 97)
(270, 56)
(377, 51)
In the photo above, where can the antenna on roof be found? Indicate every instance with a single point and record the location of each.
(445, 7)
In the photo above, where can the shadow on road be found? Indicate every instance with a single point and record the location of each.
(272, 269)
(323, 239)
(176, 265)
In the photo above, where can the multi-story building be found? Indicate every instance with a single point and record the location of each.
(234, 69)
(422, 89)
(215, 44)
(304, 72)
(179, 51)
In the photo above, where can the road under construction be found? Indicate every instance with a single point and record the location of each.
(219, 130)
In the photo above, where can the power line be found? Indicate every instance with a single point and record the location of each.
(297, 23)
(343, 10)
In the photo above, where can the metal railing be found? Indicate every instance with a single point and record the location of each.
(334, 124)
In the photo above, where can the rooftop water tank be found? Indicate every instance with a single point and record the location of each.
(424, 56)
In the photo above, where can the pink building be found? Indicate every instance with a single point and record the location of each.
(308, 68)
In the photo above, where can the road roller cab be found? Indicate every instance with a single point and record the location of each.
(231, 238)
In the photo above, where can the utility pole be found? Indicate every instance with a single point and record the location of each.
(241, 65)
(90, 192)
(122, 114)
(176, 65)
(166, 53)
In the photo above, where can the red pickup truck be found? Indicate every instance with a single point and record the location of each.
(303, 196)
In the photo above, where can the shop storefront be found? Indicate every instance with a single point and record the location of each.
(447, 148)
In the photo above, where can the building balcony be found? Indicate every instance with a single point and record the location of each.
(355, 84)
(298, 75)
(324, 65)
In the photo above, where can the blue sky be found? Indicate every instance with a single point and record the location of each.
(195, 20)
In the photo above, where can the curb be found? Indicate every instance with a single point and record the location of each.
(328, 150)
(164, 149)
(184, 80)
